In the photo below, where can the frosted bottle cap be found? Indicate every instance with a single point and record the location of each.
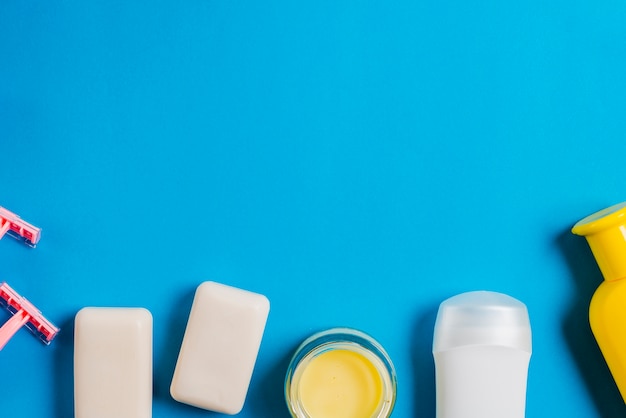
(482, 318)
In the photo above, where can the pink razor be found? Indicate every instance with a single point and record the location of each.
(24, 313)
(14, 226)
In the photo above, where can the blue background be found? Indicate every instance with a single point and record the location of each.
(356, 162)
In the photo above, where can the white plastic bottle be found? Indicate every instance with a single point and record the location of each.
(482, 347)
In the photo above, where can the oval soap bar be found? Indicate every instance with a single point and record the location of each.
(113, 363)
(220, 348)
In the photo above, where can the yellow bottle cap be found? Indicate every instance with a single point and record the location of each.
(606, 234)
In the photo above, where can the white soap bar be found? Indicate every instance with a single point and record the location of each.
(113, 363)
(219, 348)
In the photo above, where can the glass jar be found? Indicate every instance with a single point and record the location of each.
(340, 373)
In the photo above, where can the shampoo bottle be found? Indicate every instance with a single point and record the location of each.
(606, 234)
(482, 347)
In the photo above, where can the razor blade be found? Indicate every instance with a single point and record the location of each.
(23, 313)
(14, 226)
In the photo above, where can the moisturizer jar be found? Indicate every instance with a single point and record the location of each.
(340, 373)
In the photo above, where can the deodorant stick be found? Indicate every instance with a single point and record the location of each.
(482, 347)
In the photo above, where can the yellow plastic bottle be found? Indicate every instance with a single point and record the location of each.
(605, 232)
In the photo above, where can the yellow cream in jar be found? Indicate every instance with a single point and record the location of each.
(340, 384)
(340, 373)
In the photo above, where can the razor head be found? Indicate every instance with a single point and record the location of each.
(16, 227)
(37, 323)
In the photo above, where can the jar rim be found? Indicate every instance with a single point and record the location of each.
(341, 338)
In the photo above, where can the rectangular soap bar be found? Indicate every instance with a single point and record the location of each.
(113, 363)
(220, 348)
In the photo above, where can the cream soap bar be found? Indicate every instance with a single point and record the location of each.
(220, 347)
(113, 363)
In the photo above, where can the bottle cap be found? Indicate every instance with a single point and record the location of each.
(606, 234)
(482, 318)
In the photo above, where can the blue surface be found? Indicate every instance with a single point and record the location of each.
(356, 162)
